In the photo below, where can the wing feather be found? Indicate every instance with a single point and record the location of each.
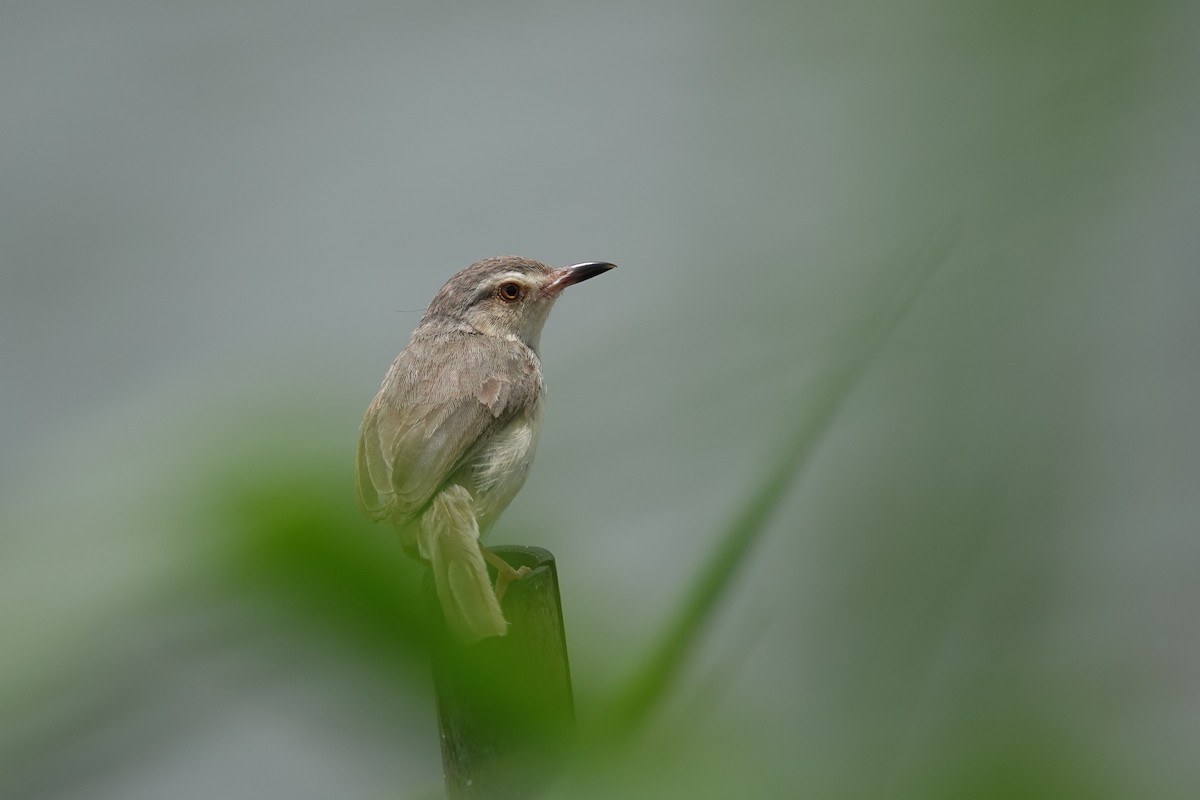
(442, 396)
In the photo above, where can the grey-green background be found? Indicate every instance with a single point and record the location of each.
(220, 221)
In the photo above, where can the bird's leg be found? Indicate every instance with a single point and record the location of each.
(505, 574)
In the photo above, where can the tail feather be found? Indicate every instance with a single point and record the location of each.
(449, 538)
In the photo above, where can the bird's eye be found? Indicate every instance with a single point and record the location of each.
(510, 292)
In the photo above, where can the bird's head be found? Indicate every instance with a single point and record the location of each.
(507, 297)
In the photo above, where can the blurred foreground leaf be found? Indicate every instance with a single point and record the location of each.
(751, 521)
(297, 539)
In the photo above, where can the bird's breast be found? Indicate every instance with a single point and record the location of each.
(502, 464)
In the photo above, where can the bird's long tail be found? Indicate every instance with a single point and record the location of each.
(449, 538)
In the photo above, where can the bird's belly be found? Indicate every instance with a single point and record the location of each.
(500, 468)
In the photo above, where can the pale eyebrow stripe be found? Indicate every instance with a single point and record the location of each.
(494, 279)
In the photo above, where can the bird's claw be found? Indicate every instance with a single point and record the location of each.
(505, 574)
(504, 578)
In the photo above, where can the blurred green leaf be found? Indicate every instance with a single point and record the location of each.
(751, 521)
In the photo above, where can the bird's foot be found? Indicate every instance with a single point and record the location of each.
(504, 579)
(505, 574)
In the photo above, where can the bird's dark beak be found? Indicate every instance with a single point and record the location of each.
(562, 278)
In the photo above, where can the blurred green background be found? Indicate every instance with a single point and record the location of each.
(953, 248)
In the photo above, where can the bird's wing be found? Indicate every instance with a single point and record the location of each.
(439, 399)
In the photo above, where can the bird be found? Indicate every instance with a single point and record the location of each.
(448, 440)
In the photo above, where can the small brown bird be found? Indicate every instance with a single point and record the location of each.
(448, 440)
